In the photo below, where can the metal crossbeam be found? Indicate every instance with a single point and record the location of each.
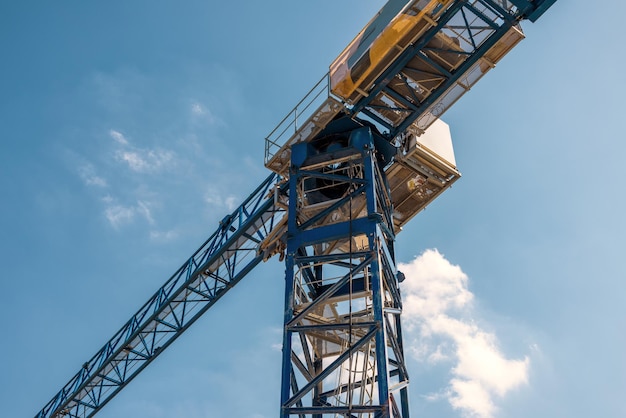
(447, 54)
(458, 41)
(220, 263)
(342, 348)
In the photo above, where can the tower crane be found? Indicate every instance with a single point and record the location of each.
(355, 160)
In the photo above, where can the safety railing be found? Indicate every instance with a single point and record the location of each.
(294, 120)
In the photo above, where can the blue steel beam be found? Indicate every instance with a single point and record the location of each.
(365, 104)
(220, 263)
(341, 355)
(532, 10)
(231, 252)
(494, 20)
(483, 33)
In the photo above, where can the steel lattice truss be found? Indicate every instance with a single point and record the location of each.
(453, 48)
(342, 347)
(430, 75)
(220, 263)
(448, 53)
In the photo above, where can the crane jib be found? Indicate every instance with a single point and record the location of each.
(221, 262)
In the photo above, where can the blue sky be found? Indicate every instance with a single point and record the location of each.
(129, 129)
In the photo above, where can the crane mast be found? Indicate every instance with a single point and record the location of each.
(342, 346)
(352, 163)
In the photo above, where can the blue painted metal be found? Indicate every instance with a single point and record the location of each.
(540, 7)
(500, 22)
(219, 264)
(465, 40)
(532, 9)
(231, 252)
(492, 20)
(341, 347)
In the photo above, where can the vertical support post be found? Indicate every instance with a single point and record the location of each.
(342, 348)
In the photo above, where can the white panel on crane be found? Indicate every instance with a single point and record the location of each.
(422, 171)
(437, 140)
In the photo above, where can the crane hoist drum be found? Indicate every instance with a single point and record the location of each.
(333, 145)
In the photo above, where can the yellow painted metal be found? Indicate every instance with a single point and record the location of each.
(352, 82)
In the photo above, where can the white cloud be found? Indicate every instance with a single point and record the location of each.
(139, 159)
(133, 159)
(119, 215)
(143, 161)
(163, 236)
(471, 397)
(87, 173)
(275, 335)
(144, 209)
(438, 355)
(118, 137)
(199, 111)
(438, 317)
(219, 200)
(230, 202)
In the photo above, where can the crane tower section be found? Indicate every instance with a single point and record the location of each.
(342, 346)
(351, 189)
